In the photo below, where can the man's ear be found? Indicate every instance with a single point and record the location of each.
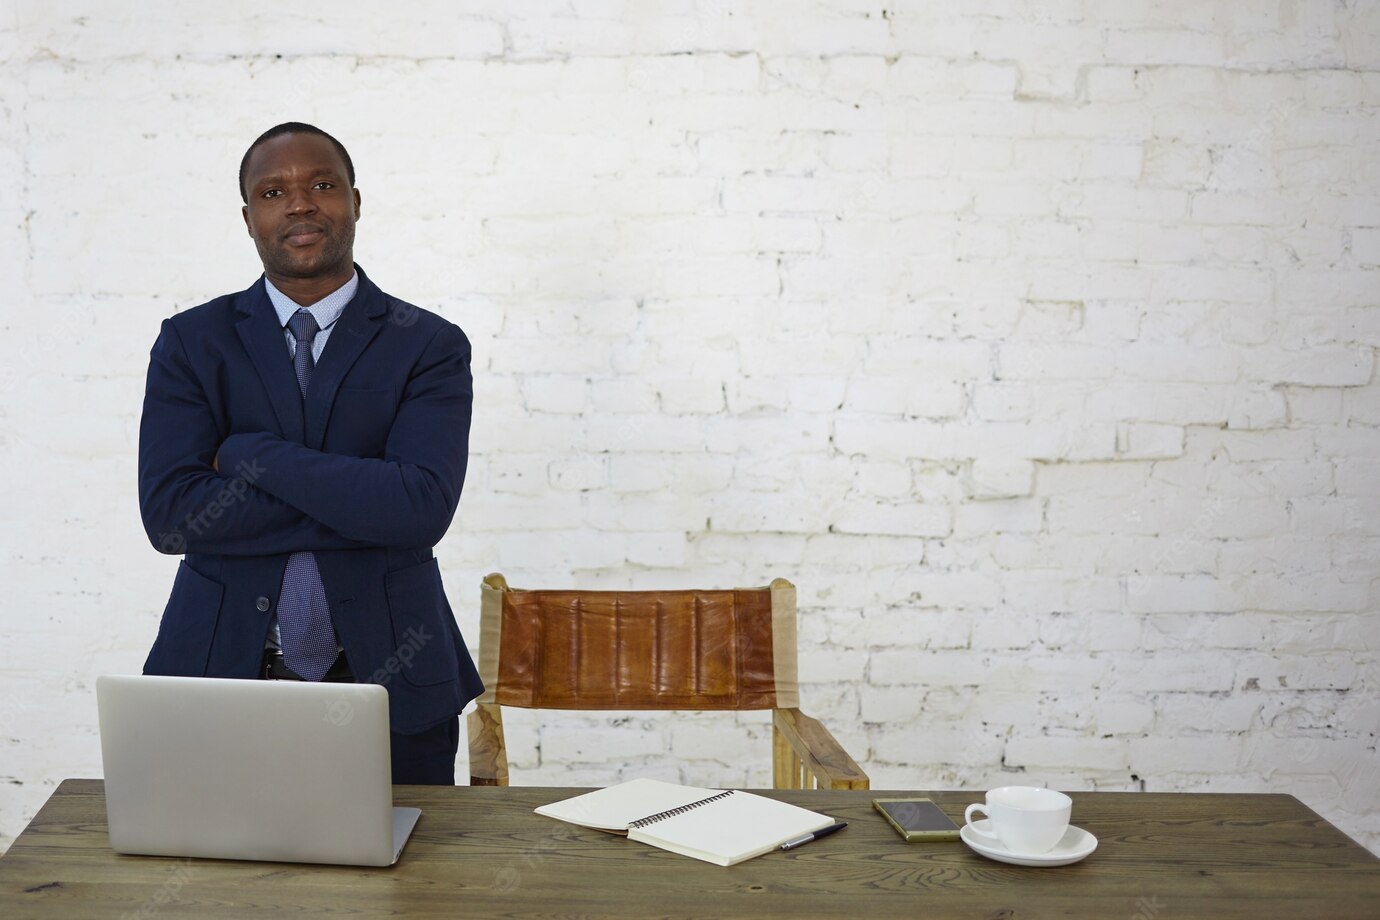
(244, 212)
(356, 191)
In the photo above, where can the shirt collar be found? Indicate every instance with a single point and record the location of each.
(326, 310)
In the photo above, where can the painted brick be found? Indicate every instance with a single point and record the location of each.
(896, 519)
(1186, 753)
(1123, 716)
(939, 744)
(1004, 630)
(1054, 752)
(1183, 672)
(1365, 245)
(906, 396)
(593, 741)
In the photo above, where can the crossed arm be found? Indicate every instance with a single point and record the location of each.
(267, 495)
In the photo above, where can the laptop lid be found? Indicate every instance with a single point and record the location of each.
(284, 771)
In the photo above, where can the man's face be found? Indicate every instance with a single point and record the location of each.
(301, 212)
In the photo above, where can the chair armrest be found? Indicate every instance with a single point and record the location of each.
(816, 751)
(488, 756)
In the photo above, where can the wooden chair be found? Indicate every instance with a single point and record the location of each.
(729, 649)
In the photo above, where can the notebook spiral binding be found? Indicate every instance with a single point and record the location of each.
(672, 812)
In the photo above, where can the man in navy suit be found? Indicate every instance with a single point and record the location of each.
(304, 444)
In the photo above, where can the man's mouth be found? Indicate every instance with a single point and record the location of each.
(304, 234)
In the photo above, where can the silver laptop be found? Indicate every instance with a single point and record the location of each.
(284, 771)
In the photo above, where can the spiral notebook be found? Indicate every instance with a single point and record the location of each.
(718, 826)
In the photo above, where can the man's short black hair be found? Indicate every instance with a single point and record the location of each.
(293, 127)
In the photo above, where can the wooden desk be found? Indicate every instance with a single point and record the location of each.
(480, 852)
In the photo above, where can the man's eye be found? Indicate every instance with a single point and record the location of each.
(272, 193)
(324, 184)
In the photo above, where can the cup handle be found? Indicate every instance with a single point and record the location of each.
(968, 820)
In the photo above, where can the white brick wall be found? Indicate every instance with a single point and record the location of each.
(1034, 342)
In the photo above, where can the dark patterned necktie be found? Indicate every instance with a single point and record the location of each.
(304, 617)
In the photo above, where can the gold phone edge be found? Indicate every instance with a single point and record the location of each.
(913, 836)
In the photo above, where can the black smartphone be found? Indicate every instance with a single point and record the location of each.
(917, 819)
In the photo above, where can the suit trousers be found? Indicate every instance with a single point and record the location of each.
(428, 757)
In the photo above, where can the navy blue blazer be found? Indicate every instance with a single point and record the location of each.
(366, 472)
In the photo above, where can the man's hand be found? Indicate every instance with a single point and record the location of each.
(215, 461)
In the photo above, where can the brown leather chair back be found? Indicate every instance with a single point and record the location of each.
(718, 649)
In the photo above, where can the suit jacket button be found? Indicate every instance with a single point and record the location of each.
(262, 603)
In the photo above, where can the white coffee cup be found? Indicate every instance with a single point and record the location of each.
(1026, 819)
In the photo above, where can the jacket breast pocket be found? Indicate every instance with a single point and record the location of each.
(425, 651)
(188, 627)
(360, 421)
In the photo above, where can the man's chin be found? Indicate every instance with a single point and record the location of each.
(306, 268)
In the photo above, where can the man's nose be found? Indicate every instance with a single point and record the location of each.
(299, 202)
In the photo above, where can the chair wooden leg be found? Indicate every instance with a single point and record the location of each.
(488, 756)
(785, 764)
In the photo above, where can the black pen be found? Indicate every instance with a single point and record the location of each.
(813, 835)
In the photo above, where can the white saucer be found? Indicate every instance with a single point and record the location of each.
(1075, 845)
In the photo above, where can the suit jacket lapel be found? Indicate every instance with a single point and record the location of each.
(355, 329)
(262, 336)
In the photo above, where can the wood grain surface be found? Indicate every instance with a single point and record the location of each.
(480, 852)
